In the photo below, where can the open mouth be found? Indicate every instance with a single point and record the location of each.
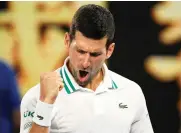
(83, 75)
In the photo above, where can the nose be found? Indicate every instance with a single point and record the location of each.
(86, 61)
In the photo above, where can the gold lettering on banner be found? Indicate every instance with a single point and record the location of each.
(167, 68)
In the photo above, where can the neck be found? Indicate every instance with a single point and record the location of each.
(95, 81)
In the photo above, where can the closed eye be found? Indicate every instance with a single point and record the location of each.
(95, 54)
(81, 51)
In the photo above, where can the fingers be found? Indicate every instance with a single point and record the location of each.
(50, 84)
(59, 83)
(54, 77)
(61, 86)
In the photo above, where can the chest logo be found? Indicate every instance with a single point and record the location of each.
(122, 106)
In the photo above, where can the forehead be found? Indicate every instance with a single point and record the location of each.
(88, 44)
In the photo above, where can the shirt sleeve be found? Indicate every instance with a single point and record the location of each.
(28, 105)
(142, 123)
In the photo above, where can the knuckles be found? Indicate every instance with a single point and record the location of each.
(50, 75)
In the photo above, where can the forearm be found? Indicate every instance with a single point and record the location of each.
(38, 129)
(42, 123)
(36, 114)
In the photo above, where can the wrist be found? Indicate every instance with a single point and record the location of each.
(43, 114)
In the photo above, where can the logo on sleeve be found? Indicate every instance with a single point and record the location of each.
(27, 125)
(29, 114)
(40, 117)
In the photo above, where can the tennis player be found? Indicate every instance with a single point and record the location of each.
(84, 96)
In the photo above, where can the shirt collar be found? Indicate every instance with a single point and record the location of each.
(71, 85)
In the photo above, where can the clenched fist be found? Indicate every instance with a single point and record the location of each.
(50, 84)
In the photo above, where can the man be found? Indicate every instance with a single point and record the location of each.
(83, 96)
(9, 100)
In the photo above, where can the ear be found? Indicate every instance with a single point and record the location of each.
(67, 40)
(110, 50)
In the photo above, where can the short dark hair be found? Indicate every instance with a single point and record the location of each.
(94, 22)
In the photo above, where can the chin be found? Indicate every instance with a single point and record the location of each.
(83, 84)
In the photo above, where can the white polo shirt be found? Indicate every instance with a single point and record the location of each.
(117, 106)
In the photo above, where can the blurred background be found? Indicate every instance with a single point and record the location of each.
(148, 40)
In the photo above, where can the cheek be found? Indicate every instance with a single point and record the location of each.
(75, 58)
(72, 53)
(97, 62)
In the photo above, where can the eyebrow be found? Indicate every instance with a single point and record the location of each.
(78, 48)
(96, 52)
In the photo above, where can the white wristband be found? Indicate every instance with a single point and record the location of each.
(43, 114)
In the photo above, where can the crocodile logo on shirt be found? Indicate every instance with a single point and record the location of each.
(123, 106)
